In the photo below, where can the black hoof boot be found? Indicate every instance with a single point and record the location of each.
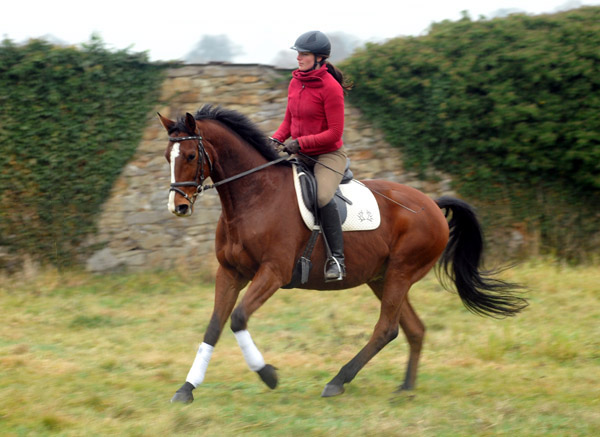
(332, 390)
(184, 394)
(268, 374)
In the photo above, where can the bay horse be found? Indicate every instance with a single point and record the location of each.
(260, 235)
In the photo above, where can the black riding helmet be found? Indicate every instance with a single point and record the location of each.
(314, 42)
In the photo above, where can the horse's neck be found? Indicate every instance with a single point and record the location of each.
(234, 157)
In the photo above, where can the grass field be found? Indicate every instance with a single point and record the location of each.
(102, 355)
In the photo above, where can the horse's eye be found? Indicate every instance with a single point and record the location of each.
(191, 157)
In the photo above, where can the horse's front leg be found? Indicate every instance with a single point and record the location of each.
(227, 288)
(264, 284)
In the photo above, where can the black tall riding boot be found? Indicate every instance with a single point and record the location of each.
(335, 269)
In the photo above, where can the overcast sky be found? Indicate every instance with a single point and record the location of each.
(168, 30)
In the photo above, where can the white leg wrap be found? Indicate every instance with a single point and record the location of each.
(196, 374)
(252, 355)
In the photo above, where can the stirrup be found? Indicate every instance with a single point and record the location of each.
(341, 270)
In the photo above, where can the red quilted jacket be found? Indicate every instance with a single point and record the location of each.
(315, 112)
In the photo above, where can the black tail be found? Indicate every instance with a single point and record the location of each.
(461, 262)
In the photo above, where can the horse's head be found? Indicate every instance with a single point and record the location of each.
(190, 164)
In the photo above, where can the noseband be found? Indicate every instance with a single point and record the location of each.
(200, 176)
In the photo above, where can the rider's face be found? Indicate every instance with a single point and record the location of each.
(306, 61)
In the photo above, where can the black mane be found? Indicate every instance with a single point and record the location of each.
(238, 123)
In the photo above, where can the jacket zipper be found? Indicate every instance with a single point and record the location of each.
(299, 104)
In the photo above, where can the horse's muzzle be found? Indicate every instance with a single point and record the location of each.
(182, 210)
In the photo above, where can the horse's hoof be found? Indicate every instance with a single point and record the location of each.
(184, 394)
(268, 374)
(182, 398)
(404, 387)
(332, 390)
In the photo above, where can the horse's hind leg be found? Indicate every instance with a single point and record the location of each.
(414, 330)
(393, 294)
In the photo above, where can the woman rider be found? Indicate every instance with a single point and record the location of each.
(314, 119)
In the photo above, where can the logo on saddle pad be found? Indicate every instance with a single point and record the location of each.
(356, 203)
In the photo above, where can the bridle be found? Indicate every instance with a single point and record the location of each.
(200, 176)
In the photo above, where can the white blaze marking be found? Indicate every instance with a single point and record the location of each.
(174, 156)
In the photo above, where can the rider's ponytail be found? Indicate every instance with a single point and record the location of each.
(339, 76)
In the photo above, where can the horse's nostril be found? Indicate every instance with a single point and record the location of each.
(181, 209)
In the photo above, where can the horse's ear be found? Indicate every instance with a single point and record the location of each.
(190, 123)
(167, 124)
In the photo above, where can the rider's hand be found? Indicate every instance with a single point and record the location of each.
(292, 147)
(275, 144)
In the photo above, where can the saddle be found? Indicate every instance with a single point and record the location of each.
(356, 204)
(308, 187)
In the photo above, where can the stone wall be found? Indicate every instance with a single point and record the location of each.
(137, 232)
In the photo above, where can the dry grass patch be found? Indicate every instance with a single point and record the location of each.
(93, 355)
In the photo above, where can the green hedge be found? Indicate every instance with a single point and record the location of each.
(510, 107)
(69, 121)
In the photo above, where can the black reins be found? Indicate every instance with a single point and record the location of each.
(202, 154)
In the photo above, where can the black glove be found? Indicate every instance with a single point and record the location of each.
(292, 147)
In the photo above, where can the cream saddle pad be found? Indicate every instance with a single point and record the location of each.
(362, 214)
